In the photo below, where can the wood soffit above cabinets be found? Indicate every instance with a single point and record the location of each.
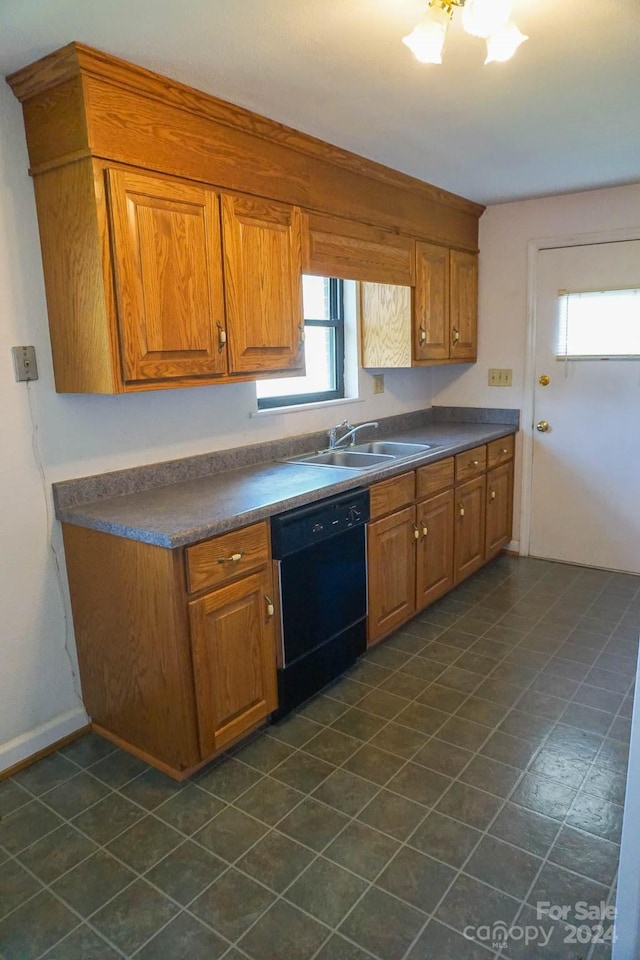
(79, 103)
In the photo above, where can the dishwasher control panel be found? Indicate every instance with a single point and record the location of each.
(304, 526)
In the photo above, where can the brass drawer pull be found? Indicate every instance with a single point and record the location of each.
(232, 559)
(474, 463)
(505, 451)
(270, 607)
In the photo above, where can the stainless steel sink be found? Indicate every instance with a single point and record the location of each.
(387, 447)
(354, 459)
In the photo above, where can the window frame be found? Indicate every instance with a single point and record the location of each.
(335, 322)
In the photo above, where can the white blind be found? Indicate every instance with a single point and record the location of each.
(599, 324)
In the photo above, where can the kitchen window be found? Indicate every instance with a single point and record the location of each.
(599, 325)
(323, 303)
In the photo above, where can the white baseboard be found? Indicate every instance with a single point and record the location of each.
(30, 743)
(513, 547)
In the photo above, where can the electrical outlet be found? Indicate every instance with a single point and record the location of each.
(24, 362)
(500, 377)
(378, 383)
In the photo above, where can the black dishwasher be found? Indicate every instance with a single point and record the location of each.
(321, 555)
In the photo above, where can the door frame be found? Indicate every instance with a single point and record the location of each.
(528, 395)
(627, 927)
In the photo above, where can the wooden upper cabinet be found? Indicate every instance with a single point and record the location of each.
(464, 305)
(263, 284)
(168, 277)
(385, 325)
(431, 303)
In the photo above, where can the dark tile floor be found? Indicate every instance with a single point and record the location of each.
(465, 770)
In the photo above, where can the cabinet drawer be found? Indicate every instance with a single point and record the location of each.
(390, 495)
(434, 478)
(471, 463)
(214, 562)
(499, 451)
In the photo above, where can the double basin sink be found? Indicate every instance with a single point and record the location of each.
(364, 456)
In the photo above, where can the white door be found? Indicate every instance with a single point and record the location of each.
(585, 503)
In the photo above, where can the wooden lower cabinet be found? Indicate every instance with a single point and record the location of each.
(434, 556)
(499, 516)
(432, 530)
(392, 572)
(176, 648)
(233, 642)
(469, 531)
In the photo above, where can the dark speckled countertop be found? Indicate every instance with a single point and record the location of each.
(181, 512)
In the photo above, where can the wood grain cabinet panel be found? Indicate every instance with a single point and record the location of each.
(263, 285)
(434, 477)
(471, 463)
(389, 495)
(431, 303)
(391, 558)
(168, 273)
(434, 557)
(217, 561)
(385, 325)
(499, 517)
(499, 451)
(233, 643)
(469, 534)
(463, 306)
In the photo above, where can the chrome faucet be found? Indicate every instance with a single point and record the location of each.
(351, 432)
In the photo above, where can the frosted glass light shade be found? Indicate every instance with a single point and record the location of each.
(482, 18)
(426, 40)
(503, 44)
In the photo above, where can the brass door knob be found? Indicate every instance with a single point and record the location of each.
(542, 426)
(544, 380)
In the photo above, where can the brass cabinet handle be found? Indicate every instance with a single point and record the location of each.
(492, 494)
(270, 607)
(232, 559)
(455, 334)
(461, 510)
(222, 338)
(416, 532)
(422, 335)
(425, 529)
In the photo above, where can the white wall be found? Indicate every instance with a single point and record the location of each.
(79, 435)
(505, 231)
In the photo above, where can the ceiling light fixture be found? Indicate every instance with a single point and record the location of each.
(489, 19)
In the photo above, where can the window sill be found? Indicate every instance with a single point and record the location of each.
(303, 407)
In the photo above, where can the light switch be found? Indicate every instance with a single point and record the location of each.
(499, 377)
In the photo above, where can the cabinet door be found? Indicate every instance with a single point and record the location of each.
(263, 277)
(385, 325)
(499, 509)
(233, 643)
(434, 560)
(168, 277)
(469, 527)
(431, 303)
(464, 305)
(391, 558)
